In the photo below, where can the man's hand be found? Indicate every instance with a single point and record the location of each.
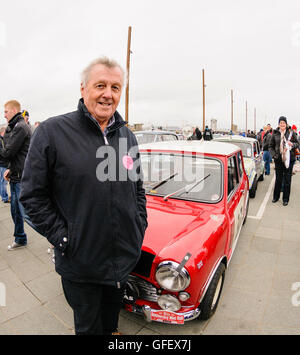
(6, 175)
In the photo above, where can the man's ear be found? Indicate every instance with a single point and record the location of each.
(82, 89)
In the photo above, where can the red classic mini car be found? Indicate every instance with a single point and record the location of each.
(197, 201)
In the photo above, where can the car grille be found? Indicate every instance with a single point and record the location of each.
(146, 290)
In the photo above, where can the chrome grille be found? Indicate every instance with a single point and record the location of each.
(146, 290)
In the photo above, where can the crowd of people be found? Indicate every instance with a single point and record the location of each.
(97, 232)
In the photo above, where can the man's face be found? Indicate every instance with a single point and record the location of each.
(9, 112)
(268, 127)
(102, 93)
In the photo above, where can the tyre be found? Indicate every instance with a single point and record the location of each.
(211, 299)
(262, 176)
(252, 191)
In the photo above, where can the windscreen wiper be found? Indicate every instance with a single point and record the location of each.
(187, 188)
(162, 182)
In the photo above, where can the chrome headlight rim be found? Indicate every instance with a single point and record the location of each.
(172, 265)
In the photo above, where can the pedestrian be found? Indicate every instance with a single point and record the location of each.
(36, 124)
(16, 143)
(197, 135)
(207, 134)
(260, 136)
(265, 145)
(25, 114)
(282, 148)
(78, 190)
(3, 168)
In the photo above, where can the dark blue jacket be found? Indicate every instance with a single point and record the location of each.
(97, 227)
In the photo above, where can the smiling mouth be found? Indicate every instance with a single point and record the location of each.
(104, 104)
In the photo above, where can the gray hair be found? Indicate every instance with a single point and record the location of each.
(109, 63)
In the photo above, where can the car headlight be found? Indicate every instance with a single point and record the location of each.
(169, 303)
(169, 279)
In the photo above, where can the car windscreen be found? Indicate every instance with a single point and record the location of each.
(245, 147)
(184, 177)
(143, 138)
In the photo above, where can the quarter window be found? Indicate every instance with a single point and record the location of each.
(240, 164)
(233, 178)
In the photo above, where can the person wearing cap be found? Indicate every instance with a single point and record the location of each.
(283, 140)
(25, 114)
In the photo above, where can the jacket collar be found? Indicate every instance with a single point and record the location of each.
(118, 120)
(15, 120)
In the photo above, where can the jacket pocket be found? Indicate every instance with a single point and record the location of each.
(72, 240)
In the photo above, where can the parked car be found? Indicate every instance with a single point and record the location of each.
(253, 159)
(144, 137)
(197, 201)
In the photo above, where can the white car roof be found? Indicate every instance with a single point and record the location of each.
(236, 139)
(208, 147)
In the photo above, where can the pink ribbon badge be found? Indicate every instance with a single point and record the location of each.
(128, 162)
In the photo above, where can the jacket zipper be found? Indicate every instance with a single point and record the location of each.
(107, 144)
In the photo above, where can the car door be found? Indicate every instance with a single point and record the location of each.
(235, 201)
(243, 182)
(258, 160)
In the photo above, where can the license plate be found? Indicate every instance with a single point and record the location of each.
(167, 317)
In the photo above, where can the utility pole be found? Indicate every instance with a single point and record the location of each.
(246, 118)
(255, 121)
(203, 86)
(231, 110)
(128, 75)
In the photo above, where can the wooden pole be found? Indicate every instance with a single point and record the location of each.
(128, 76)
(203, 85)
(246, 118)
(232, 110)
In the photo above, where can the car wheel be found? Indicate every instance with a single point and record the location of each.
(252, 191)
(211, 299)
(262, 177)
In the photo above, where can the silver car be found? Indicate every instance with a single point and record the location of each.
(253, 159)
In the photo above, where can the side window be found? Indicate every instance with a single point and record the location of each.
(169, 137)
(240, 164)
(233, 178)
(258, 147)
(159, 138)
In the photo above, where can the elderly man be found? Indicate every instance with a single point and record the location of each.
(81, 192)
(16, 143)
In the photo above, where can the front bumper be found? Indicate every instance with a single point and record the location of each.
(147, 311)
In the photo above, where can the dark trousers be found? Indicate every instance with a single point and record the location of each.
(96, 307)
(283, 180)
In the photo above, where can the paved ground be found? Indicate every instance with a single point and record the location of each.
(257, 296)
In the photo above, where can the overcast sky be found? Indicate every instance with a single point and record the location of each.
(252, 47)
